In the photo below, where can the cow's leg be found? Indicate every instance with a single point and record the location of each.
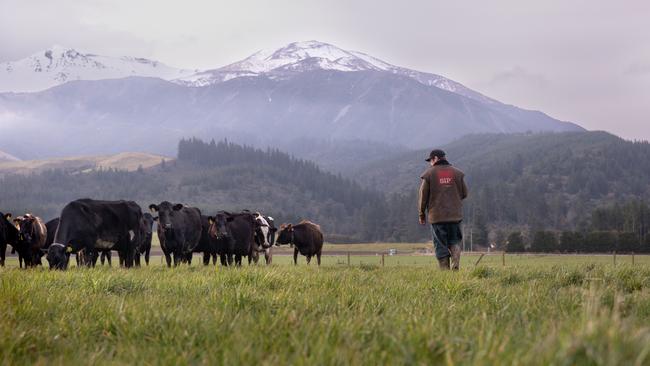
(238, 258)
(230, 259)
(92, 257)
(318, 257)
(206, 258)
(214, 258)
(36, 259)
(189, 258)
(3, 253)
(146, 255)
(102, 257)
(295, 256)
(177, 258)
(95, 257)
(308, 259)
(108, 258)
(21, 260)
(268, 257)
(168, 259)
(136, 258)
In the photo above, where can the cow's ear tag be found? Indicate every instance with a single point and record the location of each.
(68, 250)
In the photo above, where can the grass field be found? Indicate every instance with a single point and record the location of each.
(537, 310)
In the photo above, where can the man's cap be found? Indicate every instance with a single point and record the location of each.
(437, 153)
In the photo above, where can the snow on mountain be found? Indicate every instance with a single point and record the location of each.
(7, 157)
(58, 65)
(310, 55)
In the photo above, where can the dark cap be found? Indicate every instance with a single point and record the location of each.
(437, 153)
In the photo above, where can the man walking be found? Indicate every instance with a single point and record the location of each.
(441, 194)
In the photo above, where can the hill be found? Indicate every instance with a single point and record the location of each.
(211, 176)
(128, 161)
(550, 180)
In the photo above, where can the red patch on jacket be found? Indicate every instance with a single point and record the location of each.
(446, 177)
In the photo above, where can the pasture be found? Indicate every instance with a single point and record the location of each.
(540, 310)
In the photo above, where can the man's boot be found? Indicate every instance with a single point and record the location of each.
(444, 263)
(455, 257)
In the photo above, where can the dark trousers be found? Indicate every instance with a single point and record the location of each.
(446, 242)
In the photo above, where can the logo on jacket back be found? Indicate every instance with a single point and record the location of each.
(445, 177)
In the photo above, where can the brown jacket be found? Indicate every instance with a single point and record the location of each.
(441, 193)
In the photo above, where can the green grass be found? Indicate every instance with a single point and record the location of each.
(537, 310)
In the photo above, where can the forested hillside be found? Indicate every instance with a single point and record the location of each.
(540, 180)
(212, 176)
(550, 189)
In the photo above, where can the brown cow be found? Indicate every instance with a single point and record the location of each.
(306, 237)
(32, 235)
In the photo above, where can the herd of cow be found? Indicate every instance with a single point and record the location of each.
(91, 229)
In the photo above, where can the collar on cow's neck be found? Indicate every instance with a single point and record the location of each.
(57, 244)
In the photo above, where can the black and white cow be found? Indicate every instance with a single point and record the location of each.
(8, 235)
(179, 230)
(92, 225)
(264, 238)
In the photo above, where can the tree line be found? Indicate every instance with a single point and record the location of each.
(621, 228)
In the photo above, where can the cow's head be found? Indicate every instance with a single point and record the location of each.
(262, 231)
(285, 236)
(26, 226)
(272, 230)
(165, 212)
(58, 256)
(218, 225)
(147, 222)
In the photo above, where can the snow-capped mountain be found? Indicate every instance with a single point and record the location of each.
(58, 65)
(312, 55)
(293, 96)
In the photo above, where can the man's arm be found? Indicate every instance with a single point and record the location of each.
(423, 200)
(463, 192)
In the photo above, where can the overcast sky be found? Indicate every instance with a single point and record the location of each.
(583, 61)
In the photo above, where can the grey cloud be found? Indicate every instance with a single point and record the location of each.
(518, 74)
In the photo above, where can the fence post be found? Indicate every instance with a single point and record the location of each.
(382, 259)
(479, 259)
(348, 258)
(503, 259)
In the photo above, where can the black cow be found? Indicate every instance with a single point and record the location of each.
(264, 238)
(179, 230)
(207, 244)
(145, 245)
(32, 235)
(225, 244)
(94, 225)
(51, 226)
(306, 237)
(235, 235)
(8, 235)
